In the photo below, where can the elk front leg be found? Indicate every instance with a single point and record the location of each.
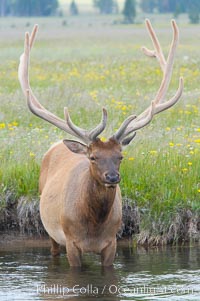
(55, 247)
(74, 254)
(108, 254)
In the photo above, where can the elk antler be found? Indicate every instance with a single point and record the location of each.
(126, 132)
(37, 109)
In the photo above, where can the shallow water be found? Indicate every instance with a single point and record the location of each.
(28, 272)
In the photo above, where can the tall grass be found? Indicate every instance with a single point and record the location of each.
(90, 67)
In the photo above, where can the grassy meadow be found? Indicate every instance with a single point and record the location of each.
(86, 64)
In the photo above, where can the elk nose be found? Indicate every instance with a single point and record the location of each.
(112, 177)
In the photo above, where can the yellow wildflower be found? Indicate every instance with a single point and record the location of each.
(14, 123)
(153, 152)
(31, 154)
(124, 108)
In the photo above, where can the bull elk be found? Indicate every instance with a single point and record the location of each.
(80, 202)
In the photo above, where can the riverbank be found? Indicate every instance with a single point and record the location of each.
(23, 218)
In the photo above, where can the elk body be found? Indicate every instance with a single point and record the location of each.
(80, 202)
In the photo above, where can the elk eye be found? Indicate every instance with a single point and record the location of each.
(121, 158)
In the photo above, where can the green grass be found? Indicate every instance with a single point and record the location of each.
(85, 67)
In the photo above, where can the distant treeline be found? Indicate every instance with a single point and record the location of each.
(28, 7)
(166, 6)
(50, 7)
(191, 7)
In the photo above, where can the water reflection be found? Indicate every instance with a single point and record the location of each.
(28, 273)
(89, 281)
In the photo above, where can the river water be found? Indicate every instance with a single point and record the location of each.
(28, 272)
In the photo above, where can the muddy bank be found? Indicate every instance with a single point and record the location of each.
(22, 217)
(16, 240)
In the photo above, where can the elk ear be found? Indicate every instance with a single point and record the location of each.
(76, 147)
(128, 140)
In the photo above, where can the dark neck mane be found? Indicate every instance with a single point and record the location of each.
(99, 201)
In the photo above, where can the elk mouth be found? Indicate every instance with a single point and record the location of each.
(111, 185)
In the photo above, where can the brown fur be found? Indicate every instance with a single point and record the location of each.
(76, 207)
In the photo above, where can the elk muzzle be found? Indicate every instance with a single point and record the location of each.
(111, 178)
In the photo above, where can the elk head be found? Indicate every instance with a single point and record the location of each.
(105, 157)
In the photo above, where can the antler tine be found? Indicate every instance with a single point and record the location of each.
(166, 66)
(157, 105)
(121, 130)
(140, 123)
(33, 35)
(35, 106)
(86, 136)
(29, 41)
(158, 50)
(172, 101)
(93, 134)
(169, 65)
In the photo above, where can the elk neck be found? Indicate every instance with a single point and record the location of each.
(99, 199)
